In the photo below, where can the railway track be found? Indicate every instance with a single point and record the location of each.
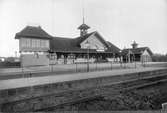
(146, 82)
(80, 94)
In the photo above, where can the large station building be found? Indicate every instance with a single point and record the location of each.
(37, 47)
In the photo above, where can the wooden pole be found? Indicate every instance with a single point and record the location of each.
(88, 60)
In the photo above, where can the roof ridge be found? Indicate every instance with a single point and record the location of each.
(62, 37)
(86, 34)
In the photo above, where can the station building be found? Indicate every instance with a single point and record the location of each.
(37, 47)
(138, 54)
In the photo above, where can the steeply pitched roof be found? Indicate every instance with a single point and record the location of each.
(126, 52)
(83, 26)
(73, 44)
(33, 32)
(64, 44)
(112, 47)
(68, 44)
(82, 38)
(137, 50)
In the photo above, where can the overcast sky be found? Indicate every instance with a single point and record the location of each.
(118, 21)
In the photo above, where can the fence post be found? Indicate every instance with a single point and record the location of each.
(52, 67)
(76, 66)
(120, 64)
(125, 65)
(164, 106)
(144, 64)
(135, 65)
(111, 65)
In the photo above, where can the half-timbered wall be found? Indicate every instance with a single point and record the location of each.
(94, 43)
(146, 57)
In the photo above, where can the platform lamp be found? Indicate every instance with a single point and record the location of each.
(87, 44)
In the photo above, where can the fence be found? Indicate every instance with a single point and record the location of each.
(71, 68)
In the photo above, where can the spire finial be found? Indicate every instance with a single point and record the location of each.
(83, 19)
(83, 11)
(83, 28)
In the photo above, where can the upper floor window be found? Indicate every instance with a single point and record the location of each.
(35, 43)
(25, 42)
(45, 43)
(28, 43)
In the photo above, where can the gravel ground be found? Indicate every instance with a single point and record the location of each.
(149, 98)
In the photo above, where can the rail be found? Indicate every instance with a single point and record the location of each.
(105, 90)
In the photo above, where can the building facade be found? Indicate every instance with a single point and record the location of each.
(39, 48)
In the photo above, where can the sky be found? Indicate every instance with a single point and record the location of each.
(119, 21)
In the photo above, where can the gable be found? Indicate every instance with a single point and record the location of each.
(94, 43)
(146, 53)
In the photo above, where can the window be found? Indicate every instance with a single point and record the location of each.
(44, 43)
(47, 43)
(25, 42)
(28, 43)
(35, 43)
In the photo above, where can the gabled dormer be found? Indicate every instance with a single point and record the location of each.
(95, 41)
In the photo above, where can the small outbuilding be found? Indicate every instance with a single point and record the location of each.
(139, 54)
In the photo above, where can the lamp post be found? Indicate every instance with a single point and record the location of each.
(87, 44)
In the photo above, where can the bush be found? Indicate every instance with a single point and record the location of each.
(159, 58)
(9, 64)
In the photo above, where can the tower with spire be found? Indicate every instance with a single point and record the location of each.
(134, 45)
(83, 28)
